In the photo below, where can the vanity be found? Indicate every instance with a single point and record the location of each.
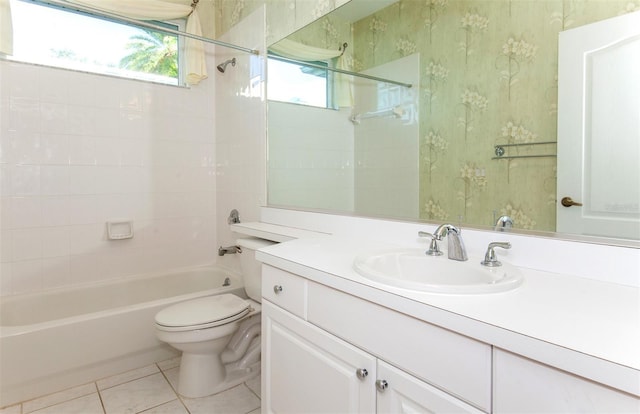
(335, 341)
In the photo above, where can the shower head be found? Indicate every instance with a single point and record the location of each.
(223, 66)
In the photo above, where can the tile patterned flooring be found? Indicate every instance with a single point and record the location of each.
(149, 390)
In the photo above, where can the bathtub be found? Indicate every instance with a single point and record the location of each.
(61, 338)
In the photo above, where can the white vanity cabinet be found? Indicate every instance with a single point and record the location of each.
(308, 370)
(523, 385)
(407, 394)
(327, 351)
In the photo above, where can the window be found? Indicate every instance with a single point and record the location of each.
(48, 35)
(298, 83)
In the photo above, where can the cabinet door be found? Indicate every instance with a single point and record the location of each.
(407, 394)
(455, 363)
(525, 386)
(307, 370)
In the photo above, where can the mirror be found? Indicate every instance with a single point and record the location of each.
(473, 138)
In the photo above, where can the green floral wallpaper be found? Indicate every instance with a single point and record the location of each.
(489, 76)
(283, 16)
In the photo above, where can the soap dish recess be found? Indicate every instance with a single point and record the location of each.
(120, 230)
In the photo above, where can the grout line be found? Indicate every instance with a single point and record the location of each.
(66, 401)
(22, 403)
(179, 397)
(155, 406)
(104, 409)
(252, 392)
(126, 382)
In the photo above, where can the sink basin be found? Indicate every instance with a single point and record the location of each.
(413, 269)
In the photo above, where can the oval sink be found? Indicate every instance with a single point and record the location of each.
(413, 269)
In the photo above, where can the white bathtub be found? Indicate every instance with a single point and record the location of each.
(61, 338)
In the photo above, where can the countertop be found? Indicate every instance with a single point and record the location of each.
(587, 327)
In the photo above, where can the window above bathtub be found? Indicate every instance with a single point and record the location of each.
(50, 35)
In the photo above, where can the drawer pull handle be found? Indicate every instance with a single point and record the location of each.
(362, 373)
(382, 385)
(277, 289)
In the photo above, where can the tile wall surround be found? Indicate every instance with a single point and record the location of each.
(79, 149)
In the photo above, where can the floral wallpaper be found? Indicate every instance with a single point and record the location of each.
(283, 16)
(489, 76)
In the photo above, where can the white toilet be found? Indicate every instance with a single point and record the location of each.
(219, 336)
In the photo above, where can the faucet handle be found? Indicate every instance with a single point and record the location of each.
(490, 257)
(504, 223)
(434, 249)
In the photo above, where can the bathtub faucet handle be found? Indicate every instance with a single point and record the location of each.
(234, 217)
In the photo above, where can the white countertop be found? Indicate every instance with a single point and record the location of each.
(587, 327)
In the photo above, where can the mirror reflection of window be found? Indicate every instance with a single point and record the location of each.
(299, 84)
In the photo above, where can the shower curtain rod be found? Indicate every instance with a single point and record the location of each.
(141, 23)
(346, 72)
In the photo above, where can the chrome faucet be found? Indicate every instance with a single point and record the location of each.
(490, 258)
(504, 223)
(455, 245)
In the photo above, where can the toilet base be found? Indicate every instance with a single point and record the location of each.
(205, 374)
(233, 378)
(199, 374)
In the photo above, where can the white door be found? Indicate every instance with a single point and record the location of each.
(405, 394)
(307, 370)
(599, 128)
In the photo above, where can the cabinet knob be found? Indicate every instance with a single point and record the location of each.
(382, 385)
(362, 373)
(277, 289)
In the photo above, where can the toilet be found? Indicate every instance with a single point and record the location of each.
(219, 336)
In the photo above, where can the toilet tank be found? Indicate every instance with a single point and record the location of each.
(251, 273)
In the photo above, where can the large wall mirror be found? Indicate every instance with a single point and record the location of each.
(466, 129)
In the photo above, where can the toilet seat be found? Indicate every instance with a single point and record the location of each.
(202, 313)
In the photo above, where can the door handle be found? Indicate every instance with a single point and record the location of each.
(568, 202)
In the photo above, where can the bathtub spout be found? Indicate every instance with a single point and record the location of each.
(229, 250)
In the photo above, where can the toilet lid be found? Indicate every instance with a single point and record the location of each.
(203, 311)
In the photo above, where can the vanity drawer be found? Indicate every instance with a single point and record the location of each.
(285, 290)
(452, 362)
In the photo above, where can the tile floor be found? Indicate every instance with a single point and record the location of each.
(149, 390)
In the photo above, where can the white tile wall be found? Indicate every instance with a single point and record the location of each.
(78, 149)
